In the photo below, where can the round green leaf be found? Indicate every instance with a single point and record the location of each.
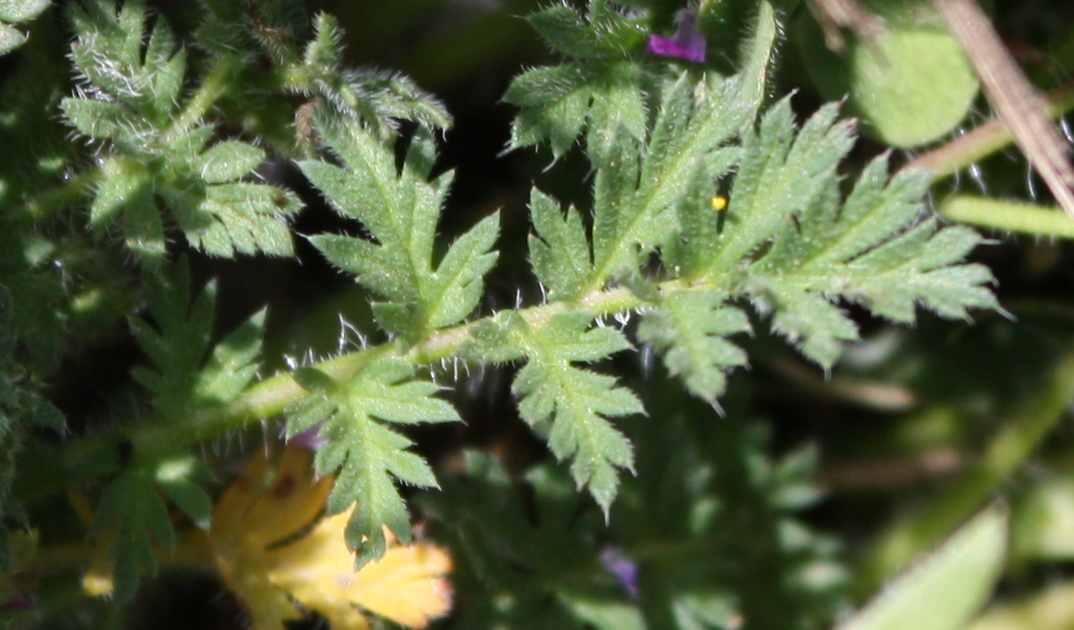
(910, 84)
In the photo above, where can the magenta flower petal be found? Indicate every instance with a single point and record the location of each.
(687, 43)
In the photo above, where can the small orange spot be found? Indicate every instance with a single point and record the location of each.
(719, 202)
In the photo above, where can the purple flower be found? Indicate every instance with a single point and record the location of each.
(687, 43)
(624, 569)
(310, 438)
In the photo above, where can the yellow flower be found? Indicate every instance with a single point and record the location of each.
(272, 552)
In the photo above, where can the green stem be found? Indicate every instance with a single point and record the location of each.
(1004, 455)
(1008, 216)
(149, 441)
(53, 200)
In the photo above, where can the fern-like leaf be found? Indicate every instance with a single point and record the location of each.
(186, 375)
(568, 405)
(176, 341)
(601, 92)
(873, 251)
(132, 503)
(691, 327)
(401, 211)
(636, 194)
(782, 173)
(22, 410)
(132, 103)
(370, 456)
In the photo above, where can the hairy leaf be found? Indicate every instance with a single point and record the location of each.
(636, 193)
(602, 93)
(368, 455)
(691, 329)
(401, 210)
(871, 251)
(22, 409)
(157, 144)
(570, 406)
(14, 12)
(177, 340)
(781, 175)
(559, 249)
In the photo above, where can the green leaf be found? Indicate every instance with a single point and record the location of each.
(603, 94)
(870, 251)
(21, 10)
(157, 140)
(757, 54)
(910, 84)
(230, 160)
(603, 33)
(560, 249)
(368, 455)
(180, 478)
(233, 364)
(13, 12)
(109, 52)
(401, 210)
(691, 328)
(781, 174)
(553, 103)
(177, 335)
(10, 38)
(176, 341)
(946, 587)
(376, 98)
(98, 119)
(570, 405)
(131, 501)
(636, 193)
(536, 558)
(235, 218)
(23, 411)
(564, 31)
(126, 183)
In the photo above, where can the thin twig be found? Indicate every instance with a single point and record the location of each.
(1015, 100)
(985, 139)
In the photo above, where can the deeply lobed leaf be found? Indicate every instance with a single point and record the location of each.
(158, 149)
(369, 456)
(570, 406)
(691, 329)
(870, 251)
(401, 211)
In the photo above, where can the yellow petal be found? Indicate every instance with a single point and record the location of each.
(407, 585)
(315, 569)
(250, 510)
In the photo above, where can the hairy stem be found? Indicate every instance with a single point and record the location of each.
(149, 441)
